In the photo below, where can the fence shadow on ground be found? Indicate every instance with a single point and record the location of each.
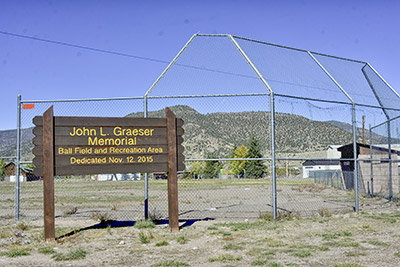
(115, 224)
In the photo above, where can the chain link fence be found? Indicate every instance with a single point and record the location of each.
(212, 187)
(86, 196)
(268, 129)
(380, 168)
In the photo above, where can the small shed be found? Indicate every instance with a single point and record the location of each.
(363, 149)
(379, 179)
(26, 173)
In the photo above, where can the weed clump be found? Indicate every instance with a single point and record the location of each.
(144, 224)
(266, 216)
(280, 216)
(302, 254)
(324, 212)
(182, 240)
(76, 254)
(46, 250)
(16, 252)
(170, 263)
(101, 216)
(354, 254)
(162, 243)
(225, 257)
(259, 262)
(145, 237)
(342, 243)
(22, 226)
(378, 243)
(70, 211)
(231, 246)
(348, 264)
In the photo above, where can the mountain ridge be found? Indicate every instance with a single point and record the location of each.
(217, 134)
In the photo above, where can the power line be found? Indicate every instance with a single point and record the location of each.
(120, 54)
(117, 53)
(83, 47)
(153, 59)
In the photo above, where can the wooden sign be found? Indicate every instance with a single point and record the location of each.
(95, 145)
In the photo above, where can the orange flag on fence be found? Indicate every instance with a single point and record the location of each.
(28, 106)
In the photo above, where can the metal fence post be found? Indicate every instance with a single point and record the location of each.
(356, 204)
(355, 179)
(372, 162)
(17, 161)
(390, 163)
(272, 104)
(146, 176)
(273, 163)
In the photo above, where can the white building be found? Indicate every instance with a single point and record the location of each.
(319, 165)
(117, 177)
(333, 153)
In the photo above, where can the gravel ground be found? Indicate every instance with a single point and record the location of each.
(367, 238)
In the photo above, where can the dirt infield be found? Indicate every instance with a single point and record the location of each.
(198, 199)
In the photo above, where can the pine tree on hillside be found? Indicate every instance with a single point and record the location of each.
(212, 168)
(254, 168)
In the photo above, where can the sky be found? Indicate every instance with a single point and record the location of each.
(150, 34)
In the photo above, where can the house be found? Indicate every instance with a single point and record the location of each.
(26, 173)
(373, 177)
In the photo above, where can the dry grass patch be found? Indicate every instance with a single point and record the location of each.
(76, 254)
(144, 224)
(225, 258)
(171, 263)
(17, 252)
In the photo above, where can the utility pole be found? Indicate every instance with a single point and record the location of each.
(363, 129)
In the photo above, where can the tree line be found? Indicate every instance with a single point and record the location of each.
(2, 169)
(237, 168)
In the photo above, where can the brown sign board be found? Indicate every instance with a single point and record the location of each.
(96, 145)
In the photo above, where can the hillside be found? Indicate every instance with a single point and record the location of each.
(216, 134)
(379, 139)
(8, 143)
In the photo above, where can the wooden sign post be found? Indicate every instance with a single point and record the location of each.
(48, 174)
(172, 172)
(97, 145)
